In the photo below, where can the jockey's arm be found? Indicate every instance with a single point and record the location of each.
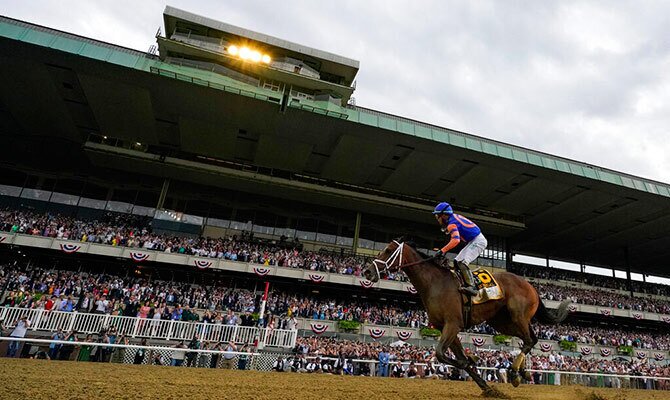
(455, 238)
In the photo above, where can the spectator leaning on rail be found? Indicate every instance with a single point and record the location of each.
(461, 229)
(20, 328)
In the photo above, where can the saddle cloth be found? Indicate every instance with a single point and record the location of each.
(488, 287)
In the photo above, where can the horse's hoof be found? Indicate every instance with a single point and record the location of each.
(494, 393)
(516, 381)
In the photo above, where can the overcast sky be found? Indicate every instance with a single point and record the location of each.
(584, 80)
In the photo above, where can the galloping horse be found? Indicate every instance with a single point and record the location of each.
(439, 291)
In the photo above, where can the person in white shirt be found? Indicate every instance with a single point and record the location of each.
(20, 329)
(101, 305)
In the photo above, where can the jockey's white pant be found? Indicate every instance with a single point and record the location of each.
(472, 250)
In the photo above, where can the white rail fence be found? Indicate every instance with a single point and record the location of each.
(133, 327)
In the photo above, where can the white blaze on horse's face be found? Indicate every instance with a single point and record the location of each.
(392, 262)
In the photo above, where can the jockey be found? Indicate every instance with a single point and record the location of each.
(460, 229)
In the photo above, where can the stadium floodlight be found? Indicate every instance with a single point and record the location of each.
(256, 56)
(248, 54)
(245, 53)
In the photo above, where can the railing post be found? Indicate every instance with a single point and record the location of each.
(235, 331)
(105, 323)
(169, 334)
(38, 318)
(71, 324)
(137, 322)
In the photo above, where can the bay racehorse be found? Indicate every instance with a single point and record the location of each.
(438, 288)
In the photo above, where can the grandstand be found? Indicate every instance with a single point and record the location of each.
(224, 158)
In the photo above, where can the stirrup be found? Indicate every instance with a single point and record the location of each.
(471, 290)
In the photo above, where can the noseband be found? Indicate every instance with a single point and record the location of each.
(388, 263)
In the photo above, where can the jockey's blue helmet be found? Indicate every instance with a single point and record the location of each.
(443, 208)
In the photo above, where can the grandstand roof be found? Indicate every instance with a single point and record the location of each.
(56, 84)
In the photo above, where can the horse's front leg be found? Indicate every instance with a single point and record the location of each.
(457, 348)
(449, 334)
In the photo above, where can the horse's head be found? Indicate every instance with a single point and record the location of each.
(388, 260)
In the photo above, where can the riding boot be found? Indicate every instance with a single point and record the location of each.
(468, 278)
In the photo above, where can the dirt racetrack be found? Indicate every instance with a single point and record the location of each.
(40, 379)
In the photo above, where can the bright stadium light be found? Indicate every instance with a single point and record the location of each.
(245, 53)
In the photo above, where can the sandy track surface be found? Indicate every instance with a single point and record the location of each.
(39, 379)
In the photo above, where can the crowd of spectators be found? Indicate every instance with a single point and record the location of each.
(65, 290)
(596, 297)
(132, 231)
(420, 362)
(600, 281)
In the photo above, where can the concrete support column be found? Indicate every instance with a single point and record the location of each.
(357, 231)
(163, 195)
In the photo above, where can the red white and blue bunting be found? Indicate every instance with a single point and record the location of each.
(585, 350)
(404, 335)
(202, 264)
(641, 354)
(376, 333)
(366, 283)
(605, 352)
(411, 289)
(138, 257)
(69, 248)
(318, 328)
(260, 271)
(659, 356)
(2, 238)
(606, 311)
(546, 347)
(637, 315)
(572, 308)
(316, 277)
(478, 341)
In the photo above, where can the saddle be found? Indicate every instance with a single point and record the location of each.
(488, 288)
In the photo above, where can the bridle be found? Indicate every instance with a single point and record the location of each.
(395, 256)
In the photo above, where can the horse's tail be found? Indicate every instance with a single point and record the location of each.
(552, 317)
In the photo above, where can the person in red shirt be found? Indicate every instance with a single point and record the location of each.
(49, 304)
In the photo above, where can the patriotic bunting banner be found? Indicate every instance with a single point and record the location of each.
(665, 319)
(605, 352)
(605, 311)
(411, 289)
(260, 271)
(659, 356)
(366, 283)
(2, 238)
(69, 248)
(403, 335)
(318, 328)
(572, 308)
(585, 350)
(478, 341)
(316, 278)
(460, 338)
(546, 347)
(376, 333)
(202, 264)
(637, 315)
(137, 256)
(641, 354)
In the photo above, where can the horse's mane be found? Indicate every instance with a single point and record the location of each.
(409, 241)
